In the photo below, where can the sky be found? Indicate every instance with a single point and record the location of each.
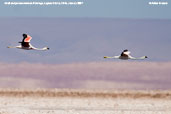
(84, 39)
(79, 37)
(140, 9)
(77, 46)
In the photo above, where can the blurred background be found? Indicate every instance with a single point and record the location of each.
(77, 47)
(78, 38)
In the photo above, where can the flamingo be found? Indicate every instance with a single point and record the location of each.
(25, 44)
(125, 55)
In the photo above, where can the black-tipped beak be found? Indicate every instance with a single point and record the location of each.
(48, 48)
(146, 57)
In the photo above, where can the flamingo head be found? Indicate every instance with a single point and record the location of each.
(45, 48)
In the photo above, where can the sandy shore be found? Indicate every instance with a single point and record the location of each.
(54, 101)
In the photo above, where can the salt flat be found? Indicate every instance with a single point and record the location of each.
(84, 102)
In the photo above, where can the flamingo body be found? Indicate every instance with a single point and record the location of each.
(25, 44)
(125, 55)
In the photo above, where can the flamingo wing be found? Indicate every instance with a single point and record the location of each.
(125, 53)
(27, 39)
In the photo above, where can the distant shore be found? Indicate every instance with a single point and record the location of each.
(75, 101)
(156, 94)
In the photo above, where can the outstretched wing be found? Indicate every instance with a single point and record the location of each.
(125, 53)
(26, 38)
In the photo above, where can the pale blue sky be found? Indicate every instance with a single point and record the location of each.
(86, 32)
(79, 37)
(85, 39)
(91, 8)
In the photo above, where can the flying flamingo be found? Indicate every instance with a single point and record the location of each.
(125, 55)
(25, 44)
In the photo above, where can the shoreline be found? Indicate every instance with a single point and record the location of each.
(135, 94)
